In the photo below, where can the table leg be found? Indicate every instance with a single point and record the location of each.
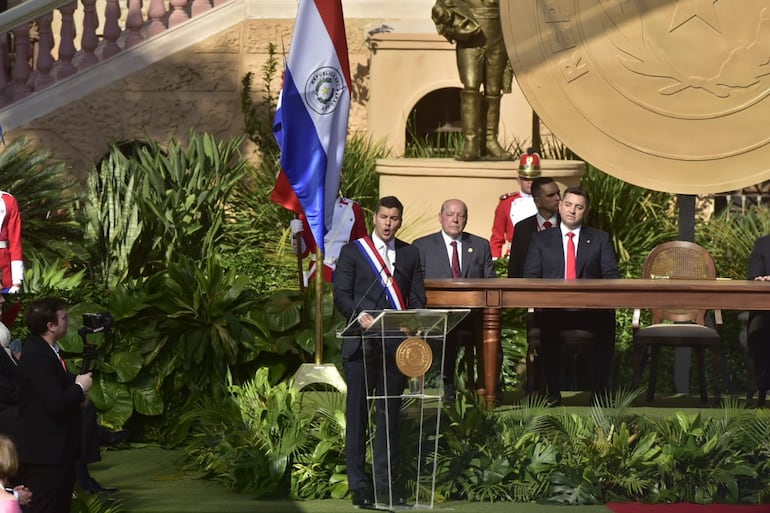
(491, 341)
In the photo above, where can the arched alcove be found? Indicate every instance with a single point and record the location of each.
(434, 123)
(415, 71)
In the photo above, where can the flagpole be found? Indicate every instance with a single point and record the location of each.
(298, 242)
(319, 305)
(319, 372)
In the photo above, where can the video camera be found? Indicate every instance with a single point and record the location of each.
(93, 323)
(96, 322)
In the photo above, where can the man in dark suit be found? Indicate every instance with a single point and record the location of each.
(545, 192)
(758, 331)
(373, 274)
(573, 251)
(51, 397)
(453, 253)
(9, 390)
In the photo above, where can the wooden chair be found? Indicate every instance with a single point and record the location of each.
(678, 327)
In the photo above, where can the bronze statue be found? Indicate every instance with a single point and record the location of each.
(474, 25)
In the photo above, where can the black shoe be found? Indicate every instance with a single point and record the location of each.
(109, 438)
(362, 498)
(450, 394)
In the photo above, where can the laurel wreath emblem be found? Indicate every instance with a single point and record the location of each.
(742, 68)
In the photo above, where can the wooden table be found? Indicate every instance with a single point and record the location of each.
(494, 294)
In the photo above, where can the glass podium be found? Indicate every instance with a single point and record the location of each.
(404, 355)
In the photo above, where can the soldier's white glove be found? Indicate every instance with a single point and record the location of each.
(14, 289)
(296, 227)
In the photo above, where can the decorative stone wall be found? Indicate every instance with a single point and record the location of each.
(198, 88)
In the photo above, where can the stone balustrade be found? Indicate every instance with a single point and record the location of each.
(46, 41)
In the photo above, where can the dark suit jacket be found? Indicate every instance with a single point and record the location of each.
(595, 255)
(522, 235)
(357, 288)
(50, 407)
(759, 260)
(759, 265)
(476, 260)
(9, 390)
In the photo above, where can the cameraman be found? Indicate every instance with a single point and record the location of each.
(51, 400)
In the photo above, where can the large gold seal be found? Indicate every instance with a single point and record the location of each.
(672, 96)
(413, 357)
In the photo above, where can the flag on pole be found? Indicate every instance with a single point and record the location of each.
(311, 118)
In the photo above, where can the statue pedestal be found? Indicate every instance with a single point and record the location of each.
(423, 185)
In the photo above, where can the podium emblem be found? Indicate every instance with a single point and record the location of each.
(414, 357)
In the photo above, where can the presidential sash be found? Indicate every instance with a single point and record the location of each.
(373, 257)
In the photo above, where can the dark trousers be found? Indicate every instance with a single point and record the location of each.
(365, 376)
(89, 439)
(599, 322)
(758, 339)
(51, 486)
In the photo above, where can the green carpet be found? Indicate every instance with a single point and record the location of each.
(151, 482)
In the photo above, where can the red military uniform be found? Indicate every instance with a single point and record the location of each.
(11, 263)
(513, 207)
(348, 223)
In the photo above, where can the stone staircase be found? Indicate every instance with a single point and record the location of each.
(77, 89)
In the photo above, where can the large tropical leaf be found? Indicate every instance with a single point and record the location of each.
(46, 193)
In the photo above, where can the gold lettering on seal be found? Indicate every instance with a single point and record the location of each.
(573, 67)
(555, 11)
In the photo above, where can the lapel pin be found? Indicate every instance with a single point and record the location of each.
(470, 250)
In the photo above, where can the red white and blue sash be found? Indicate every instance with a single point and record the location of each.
(373, 257)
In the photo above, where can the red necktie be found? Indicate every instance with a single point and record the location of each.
(64, 365)
(547, 225)
(456, 272)
(571, 272)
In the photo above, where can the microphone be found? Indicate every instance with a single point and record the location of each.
(377, 280)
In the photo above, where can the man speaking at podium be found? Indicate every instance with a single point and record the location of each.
(375, 273)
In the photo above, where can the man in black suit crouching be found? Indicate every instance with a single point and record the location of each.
(372, 274)
(50, 397)
(573, 251)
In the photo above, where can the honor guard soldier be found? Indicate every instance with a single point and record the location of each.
(515, 206)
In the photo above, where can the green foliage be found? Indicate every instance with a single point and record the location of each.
(46, 193)
(122, 385)
(149, 206)
(204, 326)
(83, 502)
(707, 463)
(320, 471)
(360, 180)
(42, 276)
(184, 198)
(730, 237)
(249, 440)
(528, 453)
(111, 217)
(258, 118)
(638, 219)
